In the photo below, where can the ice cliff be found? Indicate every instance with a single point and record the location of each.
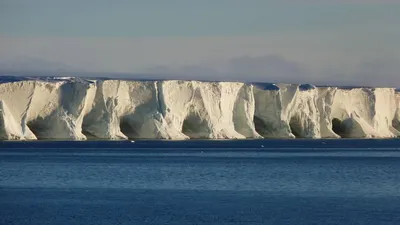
(77, 109)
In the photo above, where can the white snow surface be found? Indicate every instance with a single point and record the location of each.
(71, 108)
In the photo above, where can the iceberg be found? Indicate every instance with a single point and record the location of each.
(72, 108)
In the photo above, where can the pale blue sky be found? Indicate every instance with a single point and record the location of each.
(138, 18)
(333, 41)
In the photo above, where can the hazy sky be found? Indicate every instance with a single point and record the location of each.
(353, 42)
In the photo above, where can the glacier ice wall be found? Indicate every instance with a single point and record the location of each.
(9, 128)
(213, 110)
(46, 110)
(288, 111)
(396, 119)
(127, 109)
(77, 109)
(364, 113)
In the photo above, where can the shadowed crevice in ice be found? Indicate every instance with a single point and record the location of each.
(39, 128)
(194, 127)
(339, 128)
(295, 127)
(128, 128)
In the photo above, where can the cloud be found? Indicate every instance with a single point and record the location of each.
(384, 72)
(319, 58)
(268, 68)
(272, 68)
(278, 69)
(31, 64)
(317, 49)
(379, 72)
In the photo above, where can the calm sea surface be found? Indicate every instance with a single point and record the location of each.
(256, 182)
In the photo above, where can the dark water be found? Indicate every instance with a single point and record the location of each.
(199, 185)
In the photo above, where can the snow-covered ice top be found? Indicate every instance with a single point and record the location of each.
(79, 108)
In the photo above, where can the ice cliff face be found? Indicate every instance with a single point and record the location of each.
(364, 113)
(127, 109)
(44, 110)
(214, 110)
(396, 119)
(77, 109)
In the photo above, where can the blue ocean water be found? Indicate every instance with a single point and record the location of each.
(201, 182)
